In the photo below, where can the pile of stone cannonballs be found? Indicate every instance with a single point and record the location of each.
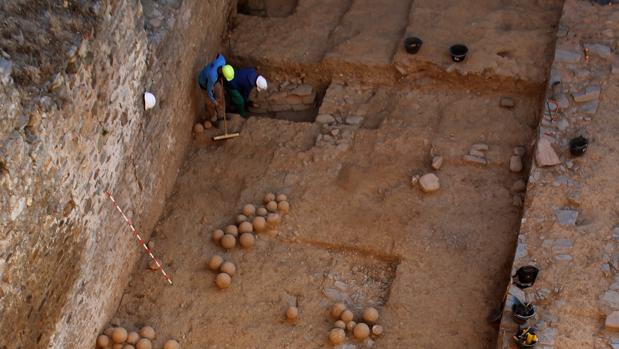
(119, 338)
(363, 328)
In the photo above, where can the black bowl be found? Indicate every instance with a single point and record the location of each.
(412, 44)
(578, 145)
(458, 52)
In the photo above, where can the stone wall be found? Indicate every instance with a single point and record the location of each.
(64, 141)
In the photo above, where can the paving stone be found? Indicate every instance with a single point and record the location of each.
(507, 102)
(480, 147)
(610, 301)
(561, 246)
(354, 120)
(325, 119)
(515, 163)
(475, 160)
(565, 56)
(563, 257)
(545, 155)
(429, 183)
(599, 50)
(590, 93)
(303, 90)
(566, 216)
(479, 154)
(437, 162)
(589, 108)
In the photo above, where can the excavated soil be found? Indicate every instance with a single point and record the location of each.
(434, 265)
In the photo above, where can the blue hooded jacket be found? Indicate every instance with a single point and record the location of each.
(244, 81)
(208, 75)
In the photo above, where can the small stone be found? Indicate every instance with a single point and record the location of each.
(57, 81)
(565, 56)
(477, 153)
(562, 101)
(507, 102)
(545, 155)
(6, 67)
(480, 147)
(515, 163)
(429, 183)
(563, 257)
(599, 50)
(519, 186)
(519, 150)
(590, 93)
(437, 162)
(475, 160)
(325, 119)
(354, 120)
(566, 217)
(589, 108)
(517, 200)
(612, 321)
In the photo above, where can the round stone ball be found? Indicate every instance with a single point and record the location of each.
(144, 343)
(268, 197)
(133, 337)
(249, 210)
(128, 346)
(228, 241)
(346, 316)
(281, 197)
(262, 211)
(228, 268)
(377, 330)
(337, 309)
(217, 235)
(337, 336)
(147, 332)
(215, 262)
(232, 230)
(119, 335)
(241, 218)
(340, 324)
(370, 314)
(171, 344)
(198, 128)
(361, 331)
(272, 206)
(103, 341)
(259, 224)
(247, 240)
(108, 331)
(273, 220)
(117, 346)
(292, 313)
(246, 227)
(283, 207)
(223, 280)
(351, 326)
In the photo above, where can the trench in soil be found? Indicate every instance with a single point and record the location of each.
(435, 265)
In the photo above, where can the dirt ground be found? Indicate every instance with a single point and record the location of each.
(434, 265)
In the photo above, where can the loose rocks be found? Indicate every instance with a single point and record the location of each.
(346, 316)
(340, 324)
(370, 315)
(133, 337)
(337, 310)
(429, 183)
(103, 341)
(246, 227)
(361, 331)
(223, 280)
(272, 206)
(283, 207)
(292, 313)
(232, 229)
(228, 268)
(437, 162)
(515, 163)
(147, 332)
(259, 224)
(247, 240)
(143, 343)
(377, 330)
(119, 335)
(268, 198)
(249, 210)
(215, 262)
(228, 241)
(217, 235)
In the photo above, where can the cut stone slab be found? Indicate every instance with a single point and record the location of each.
(610, 301)
(507, 102)
(591, 93)
(479, 154)
(429, 183)
(475, 160)
(599, 50)
(437, 162)
(354, 120)
(325, 119)
(480, 147)
(515, 163)
(589, 108)
(303, 90)
(566, 56)
(566, 217)
(545, 155)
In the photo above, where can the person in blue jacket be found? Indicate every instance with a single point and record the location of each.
(239, 88)
(210, 80)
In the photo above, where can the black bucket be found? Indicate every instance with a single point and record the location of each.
(526, 275)
(412, 44)
(578, 145)
(522, 313)
(458, 52)
(521, 338)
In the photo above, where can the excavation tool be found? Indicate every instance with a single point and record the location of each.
(226, 135)
(137, 236)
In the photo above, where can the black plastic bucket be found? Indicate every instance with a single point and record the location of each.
(412, 44)
(578, 145)
(458, 52)
(520, 314)
(526, 275)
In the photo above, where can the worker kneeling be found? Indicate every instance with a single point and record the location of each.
(239, 88)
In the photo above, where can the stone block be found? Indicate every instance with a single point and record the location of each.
(293, 100)
(589, 108)
(474, 160)
(354, 120)
(303, 90)
(591, 93)
(598, 50)
(566, 216)
(429, 183)
(565, 56)
(301, 107)
(545, 155)
(609, 301)
(325, 119)
(515, 163)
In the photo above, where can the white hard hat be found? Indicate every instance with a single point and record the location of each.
(149, 100)
(261, 83)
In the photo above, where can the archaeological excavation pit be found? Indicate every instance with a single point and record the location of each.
(406, 174)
